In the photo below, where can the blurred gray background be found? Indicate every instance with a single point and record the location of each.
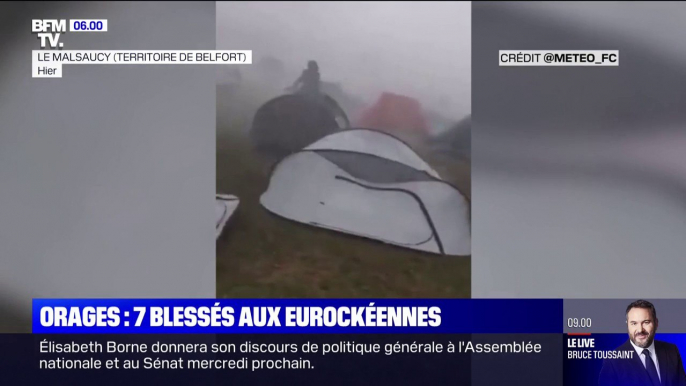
(579, 173)
(107, 175)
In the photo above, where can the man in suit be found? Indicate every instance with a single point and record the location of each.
(654, 363)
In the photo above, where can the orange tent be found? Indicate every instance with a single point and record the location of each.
(396, 114)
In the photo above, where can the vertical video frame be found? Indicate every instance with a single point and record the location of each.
(343, 150)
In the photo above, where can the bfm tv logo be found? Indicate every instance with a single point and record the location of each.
(49, 31)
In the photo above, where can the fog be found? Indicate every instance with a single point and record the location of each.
(419, 49)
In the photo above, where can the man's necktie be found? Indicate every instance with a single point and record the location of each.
(652, 369)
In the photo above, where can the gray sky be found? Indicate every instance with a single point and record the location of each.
(421, 49)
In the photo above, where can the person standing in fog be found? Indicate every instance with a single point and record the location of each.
(309, 80)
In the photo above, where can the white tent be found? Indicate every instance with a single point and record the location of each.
(373, 185)
(224, 207)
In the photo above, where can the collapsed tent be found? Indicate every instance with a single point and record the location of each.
(350, 104)
(290, 122)
(338, 112)
(396, 114)
(371, 184)
(224, 207)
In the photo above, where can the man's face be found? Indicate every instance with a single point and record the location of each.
(641, 326)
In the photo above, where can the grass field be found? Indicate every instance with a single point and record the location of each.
(261, 255)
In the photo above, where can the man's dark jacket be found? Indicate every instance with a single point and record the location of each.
(631, 372)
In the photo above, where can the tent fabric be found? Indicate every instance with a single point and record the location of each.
(339, 113)
(225, 206)
(396, 114)
(287, 123)
(375, 143)
(371, 184)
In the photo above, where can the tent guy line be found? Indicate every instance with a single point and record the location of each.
(416, 198)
